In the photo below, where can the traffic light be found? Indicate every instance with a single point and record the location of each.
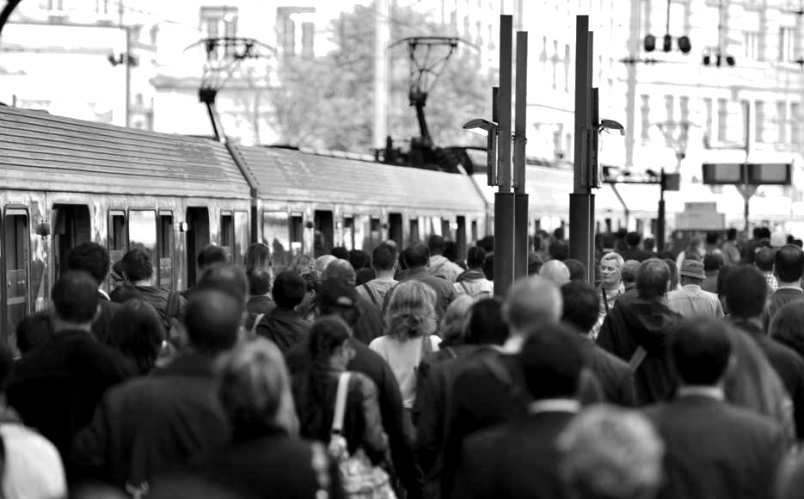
(684, 44)
(650, 43)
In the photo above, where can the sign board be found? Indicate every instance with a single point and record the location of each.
(747, 173)
(672, 181)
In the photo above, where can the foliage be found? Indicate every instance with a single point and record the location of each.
(327, 102)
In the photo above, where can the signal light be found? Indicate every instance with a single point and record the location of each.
(650, 43)
(667, 43)
(684, 44)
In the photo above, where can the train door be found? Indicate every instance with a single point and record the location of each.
(227, 236)
(197, 237)
(474, 232)
(241, 236)
(395, 228)
(413, 234)
(16, 251)
(375, 234)
(164, 249)
(349, 233)
(70, 228)
(324, 235)
(276, 234)
(446, 228)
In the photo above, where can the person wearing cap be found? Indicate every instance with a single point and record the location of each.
(690, 300)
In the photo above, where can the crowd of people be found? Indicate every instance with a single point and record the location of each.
(400, 374)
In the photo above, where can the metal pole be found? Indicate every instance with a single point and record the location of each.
(127, 62)
(504, 199)
(382, 36)
(506, 39)
(520, 140)
(660, 221)
(581, 199)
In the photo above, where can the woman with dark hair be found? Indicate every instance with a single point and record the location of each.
(258, 256)
(137, 332)
(315, 393)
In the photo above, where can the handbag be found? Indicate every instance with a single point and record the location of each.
(359, 478)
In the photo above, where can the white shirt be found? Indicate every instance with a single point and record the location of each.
(404, 358)
(33, 468)
(554, 405)
(714, 392)
(691, 300)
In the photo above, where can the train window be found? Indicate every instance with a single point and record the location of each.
(164, 244)
(17, 257)
(241, 236)
(296, 235)
(474, 232)
(71, 227)
(608, 224)
(142, 231)
(413, 225)
(375, 233)
(197, 219)
(349, 233)
(435, 225)
(324, 234)
(227, 235)
(118, 236)
(276, 234)
(446, 228)
(395, 228)
(460, 236)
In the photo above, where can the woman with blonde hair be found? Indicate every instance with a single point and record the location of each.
(265, 457)
(410, 324)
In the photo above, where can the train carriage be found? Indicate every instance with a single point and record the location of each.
(67, 181)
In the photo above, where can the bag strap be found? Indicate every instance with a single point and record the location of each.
(340, 403)
(636, 359)
(465, 289)
(257, 321)
(372, 295)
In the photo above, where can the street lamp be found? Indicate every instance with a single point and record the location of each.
(491, 130)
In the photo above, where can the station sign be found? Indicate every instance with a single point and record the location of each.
(747, 173)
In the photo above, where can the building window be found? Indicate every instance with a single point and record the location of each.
(708, 117)
(759, 120)
(684, 105)
(219, 22)
(645, 111)
(289, 22)
(795, 116)
(751, 45)
(554, 59)
(781, 121)
(787, 44)
(308, 35)
(102, 6)
(722, 117)
(566, 67)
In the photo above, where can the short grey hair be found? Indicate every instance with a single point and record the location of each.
(532, 301)
(613, 255)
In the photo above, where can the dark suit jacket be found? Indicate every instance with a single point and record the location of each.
(443, 288)
(284, 327)
(270, 466)
(154, 424)
(787, 364)
(56, 387)
(516, 460)
(614, 375)
(777, 300)
(714, 450)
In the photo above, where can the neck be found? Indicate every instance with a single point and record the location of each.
(713, 391)
(611, 287)
(62, 325)
(788, 284)
(144, 282)
(384, 274)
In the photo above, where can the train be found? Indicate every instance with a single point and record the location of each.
(66, 181)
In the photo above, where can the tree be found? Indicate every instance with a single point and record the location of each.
(327, 102)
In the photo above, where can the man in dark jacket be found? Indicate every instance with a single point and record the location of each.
(152, 425)
(93, 259)
(519, 458)
(788, 267)
(368, 324)
(713, 450)
(581, 305)
(139, 270)
(746, 293)
(56, 387)
(283, 325)
(417, 259)
(339, 298)
(636, 330)
(260, 300)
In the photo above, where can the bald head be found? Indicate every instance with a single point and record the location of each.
(212, 320)
(340, 270)
(556, 271)
(532, 301)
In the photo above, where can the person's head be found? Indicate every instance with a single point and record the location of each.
(535, 263)
(559, 250)
(75, 300)
(254, 389)
(359, 259)
(336, 297)
(136, 331)
(629, 272)
(788, 263)
(321, 263)
(91, 258)
(487, 243)
(611, 266)
(700, 349)
(712, 263)
(33, 330)
(649, 244)
(485, 324)
(475, 257)
(137, 264)
(384, 257)
(212, 320)
(787, 325)
(609, 452)
(722, 278)
(258, 256)
(652, 279)
(552, 359)
(451, 251)
(712, 238)
(692, 272)
(531, 300)
(340, 270)
(763, 259)
(289, 289)
(328, 344)
(577, 270)
(632, 239)
(411, 311)
(453, 325)
(695, 248)
(227, 278)
(555, 271)
(416, 255)
(581, 305)
(259, 281)
(210, 255)
(558, 233)
(671, 264)
(731, 234)
(746, 292)
(340, 252)
(436, 244)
